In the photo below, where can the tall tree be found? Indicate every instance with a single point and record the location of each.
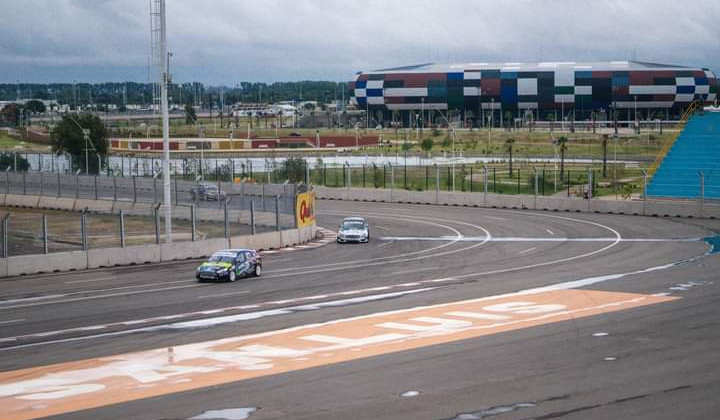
(68, 136)
(190, 115)
(562, 143)
(509, 143)
(35, 106)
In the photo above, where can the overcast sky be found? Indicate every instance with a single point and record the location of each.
(230, 41)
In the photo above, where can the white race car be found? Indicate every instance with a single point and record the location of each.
(354, 229)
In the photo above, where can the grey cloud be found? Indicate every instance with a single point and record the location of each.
(227, 41)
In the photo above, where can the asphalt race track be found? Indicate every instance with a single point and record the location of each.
(447, 313)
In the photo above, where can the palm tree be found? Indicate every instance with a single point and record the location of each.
(562, 142)
(509, 145)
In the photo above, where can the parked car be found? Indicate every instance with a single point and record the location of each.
(206, 191)
(230, 264)
(354, 229)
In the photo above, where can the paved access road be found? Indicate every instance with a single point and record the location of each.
(448, 313)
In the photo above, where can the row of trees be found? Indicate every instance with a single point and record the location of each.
(119, 94)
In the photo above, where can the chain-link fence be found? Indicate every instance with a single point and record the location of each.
(131, 214)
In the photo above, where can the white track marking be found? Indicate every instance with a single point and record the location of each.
(134, 292)
(241, 292)
(527, 250)
(10, 321)
(414, 270)
(33, 299)
(549, 231)
(203, 323)
(90, 280)
(85, 292)
(529, 239)
(385, 243)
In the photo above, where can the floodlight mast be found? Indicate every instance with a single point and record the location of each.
(165, 79)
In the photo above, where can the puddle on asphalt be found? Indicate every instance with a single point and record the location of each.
(238, 413)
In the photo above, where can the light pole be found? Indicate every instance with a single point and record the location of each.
(201, 134)
(75, 95)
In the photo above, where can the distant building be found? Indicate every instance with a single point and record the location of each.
(543, 90)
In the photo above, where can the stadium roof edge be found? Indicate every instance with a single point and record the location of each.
(530, 66)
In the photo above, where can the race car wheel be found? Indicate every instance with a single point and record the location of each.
(258, 271)
(232, 276)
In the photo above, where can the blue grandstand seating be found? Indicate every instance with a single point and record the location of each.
(697, 148)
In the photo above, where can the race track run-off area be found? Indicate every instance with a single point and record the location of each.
(447, 313)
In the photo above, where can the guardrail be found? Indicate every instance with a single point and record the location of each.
(657, 208)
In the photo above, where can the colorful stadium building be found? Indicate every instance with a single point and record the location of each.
(542, 91)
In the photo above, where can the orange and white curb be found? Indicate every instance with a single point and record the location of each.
(67, 387)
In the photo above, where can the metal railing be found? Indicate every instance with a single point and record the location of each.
(126, 212)
(668, 145)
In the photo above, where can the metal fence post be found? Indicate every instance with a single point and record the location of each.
(59, 183)
(252, 216)
(437, 184)
(227, 219)
(193, 236)
(590, 184)
(5, 251)
(24, 183)
(96, 186)
(83, 230)
(77, 186)
(262, 195)
(134, 189)
(7, 183)
(154, 190)
(485, 180)
(471, 178)
(277, 213)
(156, 216)
(45, 233)
(114, 188)
(42, 186)
(122, 228)
(218, 197)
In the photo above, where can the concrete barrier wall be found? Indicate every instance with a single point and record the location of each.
(110, 257)
(141, 254)
(60, 261)
(649, 207)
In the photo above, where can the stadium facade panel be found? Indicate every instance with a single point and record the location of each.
(539, 88)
